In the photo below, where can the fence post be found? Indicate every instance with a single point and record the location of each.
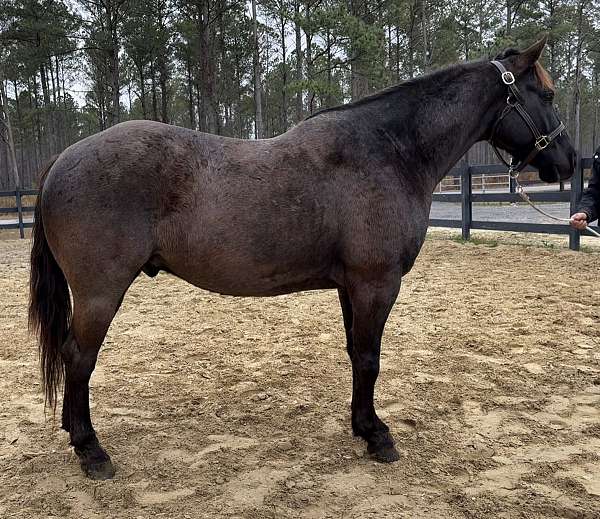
(576, 189)
(512, 184)
(466, 189)
(20, 212)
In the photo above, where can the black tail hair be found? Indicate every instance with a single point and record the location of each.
(49, 303)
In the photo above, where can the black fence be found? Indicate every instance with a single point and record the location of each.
(466, 198)
(24, 214)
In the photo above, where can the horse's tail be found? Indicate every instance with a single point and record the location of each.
(49, 303)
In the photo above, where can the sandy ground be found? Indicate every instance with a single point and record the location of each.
(226, 407)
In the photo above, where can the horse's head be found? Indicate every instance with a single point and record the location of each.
(527, 125)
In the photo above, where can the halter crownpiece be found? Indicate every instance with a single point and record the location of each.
(516, 101)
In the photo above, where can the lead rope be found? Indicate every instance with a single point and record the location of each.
(525, 197)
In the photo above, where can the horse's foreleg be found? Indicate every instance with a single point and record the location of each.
(371, 301)
(91, 320)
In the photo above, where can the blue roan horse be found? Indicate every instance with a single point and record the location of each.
(340, 201)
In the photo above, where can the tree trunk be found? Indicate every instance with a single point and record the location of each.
(411, 40)
(114, 71)
(38, 125)
(57, 80)
(190, 87)
(21, 133)
(359, 82)
(163, 78)
(424, 32)
(257, 83)
(284, 73)
(5, 120)
(577, 85)
(329, 71)
(154, 97)
(140, 68)
(308, 57)
(208, 92)
(552, 43)
(595, 101)
(45, 89)
(298, 29)
(397, 53)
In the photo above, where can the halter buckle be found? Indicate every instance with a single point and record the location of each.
(542, 142)
(508, 78)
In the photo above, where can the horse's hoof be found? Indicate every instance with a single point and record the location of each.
(381, 447)
(99, 471)
(386, 454)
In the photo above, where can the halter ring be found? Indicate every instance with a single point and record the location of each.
(508, 78)
(513, 172)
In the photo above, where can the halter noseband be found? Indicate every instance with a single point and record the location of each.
(515, 101)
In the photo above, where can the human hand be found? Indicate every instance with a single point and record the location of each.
(579, 221)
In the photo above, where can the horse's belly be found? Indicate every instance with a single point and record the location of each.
(254, 283)
(231, 271)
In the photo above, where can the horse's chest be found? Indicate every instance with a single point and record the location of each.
(386, 234)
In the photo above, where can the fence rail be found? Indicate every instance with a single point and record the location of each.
(22, 222)
(465, 197)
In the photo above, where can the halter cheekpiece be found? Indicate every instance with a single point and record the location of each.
(516, 101)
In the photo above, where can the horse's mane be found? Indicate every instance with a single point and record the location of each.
(541, 73)
(543, 77)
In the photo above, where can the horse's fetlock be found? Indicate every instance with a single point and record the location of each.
(84, 440)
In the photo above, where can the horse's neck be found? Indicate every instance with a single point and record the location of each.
(449, 115)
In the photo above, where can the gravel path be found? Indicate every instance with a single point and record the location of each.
(501, 213)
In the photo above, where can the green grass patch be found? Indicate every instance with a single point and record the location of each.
(475, 240)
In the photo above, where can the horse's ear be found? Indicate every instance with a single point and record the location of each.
(526, 59)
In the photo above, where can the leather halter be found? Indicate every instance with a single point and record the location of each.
(516, 101)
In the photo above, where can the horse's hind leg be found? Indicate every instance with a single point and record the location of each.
(91, 319)
(66, 417)
(372, 300)
(347, 315)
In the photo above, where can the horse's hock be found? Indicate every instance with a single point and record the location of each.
(219, 407)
